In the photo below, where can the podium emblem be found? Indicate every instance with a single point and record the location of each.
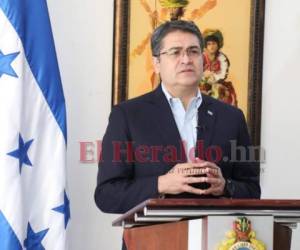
(241, 237)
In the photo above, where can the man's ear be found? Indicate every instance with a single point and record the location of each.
(156, 64)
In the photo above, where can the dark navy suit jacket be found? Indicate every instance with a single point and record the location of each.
(142, 138)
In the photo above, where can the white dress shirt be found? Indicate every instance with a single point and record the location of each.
(186, 120)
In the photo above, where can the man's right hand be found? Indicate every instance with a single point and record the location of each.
(179, 178)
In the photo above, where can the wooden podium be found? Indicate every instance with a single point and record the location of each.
(188, 224)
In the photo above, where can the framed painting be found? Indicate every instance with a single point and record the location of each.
(237, 27)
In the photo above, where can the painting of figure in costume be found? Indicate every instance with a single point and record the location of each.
(216, 68)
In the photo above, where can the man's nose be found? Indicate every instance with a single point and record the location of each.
(185, 58)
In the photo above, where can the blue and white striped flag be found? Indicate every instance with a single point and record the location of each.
(34, 206)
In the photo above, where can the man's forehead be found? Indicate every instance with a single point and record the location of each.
(180, 39)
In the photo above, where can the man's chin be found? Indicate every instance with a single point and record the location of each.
(189, 82)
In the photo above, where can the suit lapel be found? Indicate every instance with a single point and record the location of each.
(206, 123)
(166, 123)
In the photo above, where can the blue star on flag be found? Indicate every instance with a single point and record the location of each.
(64, 209)
(5, 64)
(21, 152)
(34, 240)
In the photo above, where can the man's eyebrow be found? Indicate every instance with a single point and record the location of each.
(176, 47)
(194, 47)
(180, 47)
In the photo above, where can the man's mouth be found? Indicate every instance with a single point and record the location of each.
(186, 71)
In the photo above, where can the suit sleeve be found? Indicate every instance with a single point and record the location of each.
(117, 188)
(246, 170)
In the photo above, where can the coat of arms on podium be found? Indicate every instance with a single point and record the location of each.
(242, 237)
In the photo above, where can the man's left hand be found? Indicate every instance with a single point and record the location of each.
(214, 177)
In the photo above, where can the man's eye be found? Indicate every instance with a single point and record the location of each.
(195, 51)
(175, 52)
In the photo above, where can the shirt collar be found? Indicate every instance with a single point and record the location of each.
(170, 98)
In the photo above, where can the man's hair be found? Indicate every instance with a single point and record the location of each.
(170, 26)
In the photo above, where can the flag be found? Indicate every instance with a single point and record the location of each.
(34, 205)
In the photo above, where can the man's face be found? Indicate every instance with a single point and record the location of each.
(180, 62)
(211, 47)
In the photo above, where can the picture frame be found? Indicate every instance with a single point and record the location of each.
(135, 19)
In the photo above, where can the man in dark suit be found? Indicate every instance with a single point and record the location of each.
(175, 141)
